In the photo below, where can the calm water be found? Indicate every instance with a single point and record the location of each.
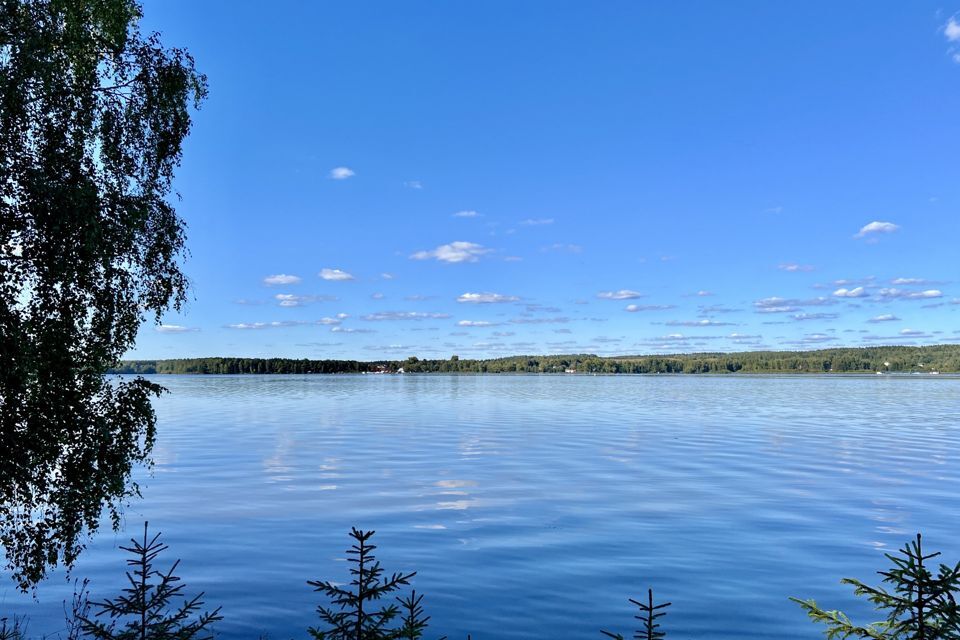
(534, 506)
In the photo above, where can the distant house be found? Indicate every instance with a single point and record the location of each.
(569, 370)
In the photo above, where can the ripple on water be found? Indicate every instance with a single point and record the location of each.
(534, 506)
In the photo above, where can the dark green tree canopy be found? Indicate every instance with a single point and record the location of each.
(92, 120)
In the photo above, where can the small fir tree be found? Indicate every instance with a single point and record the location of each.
(649, 613)
(353, 614)
(413, 622)
(920, 605)
(11, 629)
(146, 609)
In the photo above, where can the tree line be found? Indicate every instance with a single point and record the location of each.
(893, 359)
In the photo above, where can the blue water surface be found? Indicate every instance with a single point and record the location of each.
(534, 506)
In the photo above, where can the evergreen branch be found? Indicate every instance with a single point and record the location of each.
(839, 625)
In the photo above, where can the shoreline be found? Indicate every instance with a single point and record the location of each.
(931, 360)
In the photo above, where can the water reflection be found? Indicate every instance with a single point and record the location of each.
(64, 464)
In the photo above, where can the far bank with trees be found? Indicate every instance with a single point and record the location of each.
(888, 359)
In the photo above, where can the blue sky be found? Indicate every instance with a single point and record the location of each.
(380, 180)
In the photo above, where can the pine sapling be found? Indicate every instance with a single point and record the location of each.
(920, 606)
(413, 622)
(11, 628)
(649, 613)
(145, 610)
(353, 614)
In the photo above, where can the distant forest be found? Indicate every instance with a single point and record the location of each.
(939, 358)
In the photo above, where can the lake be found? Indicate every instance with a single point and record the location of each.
(534, 506)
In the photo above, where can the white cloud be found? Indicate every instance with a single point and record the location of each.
(350, 330)
(341, 173)
(467, 213)
(535, 222)
(677, 341)
(539, 308)
(622, 294)
(246, 326)
(800, 317)
(846, 282)
(454, 252)
(704, 294)
(334, 274)
(776, 304)
(698, 323)
(405, 315)
(794, 267)
(856, 292)
(557, 320)
(911, 281)
(634, 308)
(898, 338)
(565, 248)
(485, 298)
(174, 328)
(293, 300)
(711, 309)
(413, 184)
(912, 332)
(343, 316)
(876, 227)
(476, 323)
(376, 296)
(281, 279)
(331, 322)
(910, 295)
(952, 30)
(289, 300)
(812, 338)
(884, 317)
(387, 276)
